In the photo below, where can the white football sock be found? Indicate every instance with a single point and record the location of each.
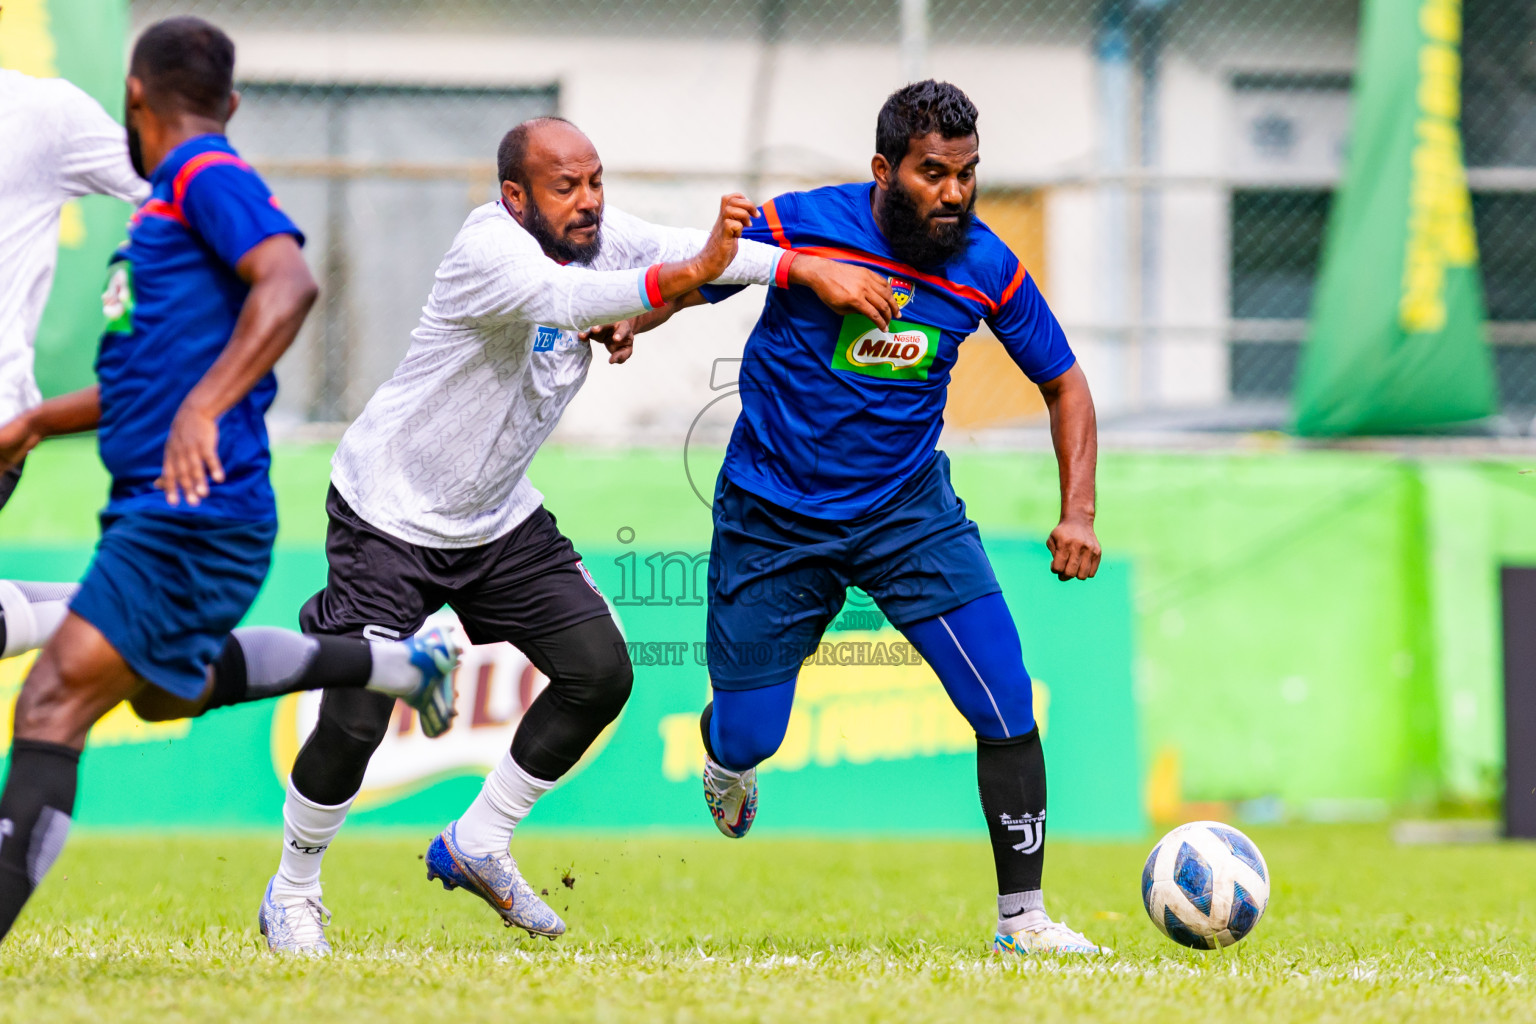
(1020, 910)
(393, 673)
(308, 829)
(504, 801)
(32, 612)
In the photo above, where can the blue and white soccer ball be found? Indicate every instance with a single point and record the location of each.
(1205, 885)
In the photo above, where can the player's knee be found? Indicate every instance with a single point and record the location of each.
(743, 741)
(353, 728)
(1008, 711)
(600, 685)
(51, 705)
(613, 682)
(742, 748)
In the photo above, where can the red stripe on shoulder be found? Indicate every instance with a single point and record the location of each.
(197, 165)
(1013, 286)
(160, 208)
(964, 291)
(771, 215)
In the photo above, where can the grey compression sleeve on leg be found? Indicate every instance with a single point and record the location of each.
(30, 613)
(259, 662)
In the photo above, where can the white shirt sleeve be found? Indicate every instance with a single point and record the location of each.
(496, 271)
(93, 150)
(755, 262)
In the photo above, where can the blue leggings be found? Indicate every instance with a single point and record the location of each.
(974, 650)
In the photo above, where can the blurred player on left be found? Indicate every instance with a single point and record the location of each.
(206, 294)
(56, 144)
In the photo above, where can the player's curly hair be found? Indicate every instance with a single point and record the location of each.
(186, 63)
(919, 109)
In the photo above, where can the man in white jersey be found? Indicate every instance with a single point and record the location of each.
(56, 144)
(430, 504)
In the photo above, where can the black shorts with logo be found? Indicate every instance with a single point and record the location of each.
(526, 584)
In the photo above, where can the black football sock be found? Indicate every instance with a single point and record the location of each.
(35, 806)
(259, 662)
(1011, 776)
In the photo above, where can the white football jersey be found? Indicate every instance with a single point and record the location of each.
(56, 144)
(439, 456)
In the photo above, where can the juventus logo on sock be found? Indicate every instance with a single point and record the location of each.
(1033, 827)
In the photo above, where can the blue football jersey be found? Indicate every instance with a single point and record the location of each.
(837, 414)
(172, 301)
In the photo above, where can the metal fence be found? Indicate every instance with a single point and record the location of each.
(1164, 167)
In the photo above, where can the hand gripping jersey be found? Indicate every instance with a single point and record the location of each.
(439, 456)
(171, 303)
(836, 414)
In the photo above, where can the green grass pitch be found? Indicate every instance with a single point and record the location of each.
(163, 929)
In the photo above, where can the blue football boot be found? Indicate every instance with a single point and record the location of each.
(496, 880)
(436, 655)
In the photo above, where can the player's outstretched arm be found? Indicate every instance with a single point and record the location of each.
(683, 276)
(282, 292)
(529, 286)
(1075, 550)
(843, 287)
(73, 413)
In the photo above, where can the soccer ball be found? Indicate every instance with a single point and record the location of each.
(1205, 885)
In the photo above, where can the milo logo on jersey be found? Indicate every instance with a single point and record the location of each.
(905, 352)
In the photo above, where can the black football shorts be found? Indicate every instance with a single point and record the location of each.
(526, 584)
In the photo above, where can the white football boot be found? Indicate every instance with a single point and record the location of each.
(1039, 934)
(294, 924)
(731, 796)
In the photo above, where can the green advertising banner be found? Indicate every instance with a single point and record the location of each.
(874, 745)
(1396, 339)
(83, 41)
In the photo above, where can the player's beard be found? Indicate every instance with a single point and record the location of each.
(914, 237)
(135, 147)
(559, 246)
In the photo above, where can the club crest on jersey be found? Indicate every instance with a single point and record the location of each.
(903, 291)
(546, 338)
(904, 352)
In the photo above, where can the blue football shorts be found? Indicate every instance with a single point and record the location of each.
(777, 577)
(165, 588)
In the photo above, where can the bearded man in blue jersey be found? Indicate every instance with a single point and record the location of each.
(832, 479)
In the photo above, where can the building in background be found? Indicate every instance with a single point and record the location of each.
(1163, 166)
